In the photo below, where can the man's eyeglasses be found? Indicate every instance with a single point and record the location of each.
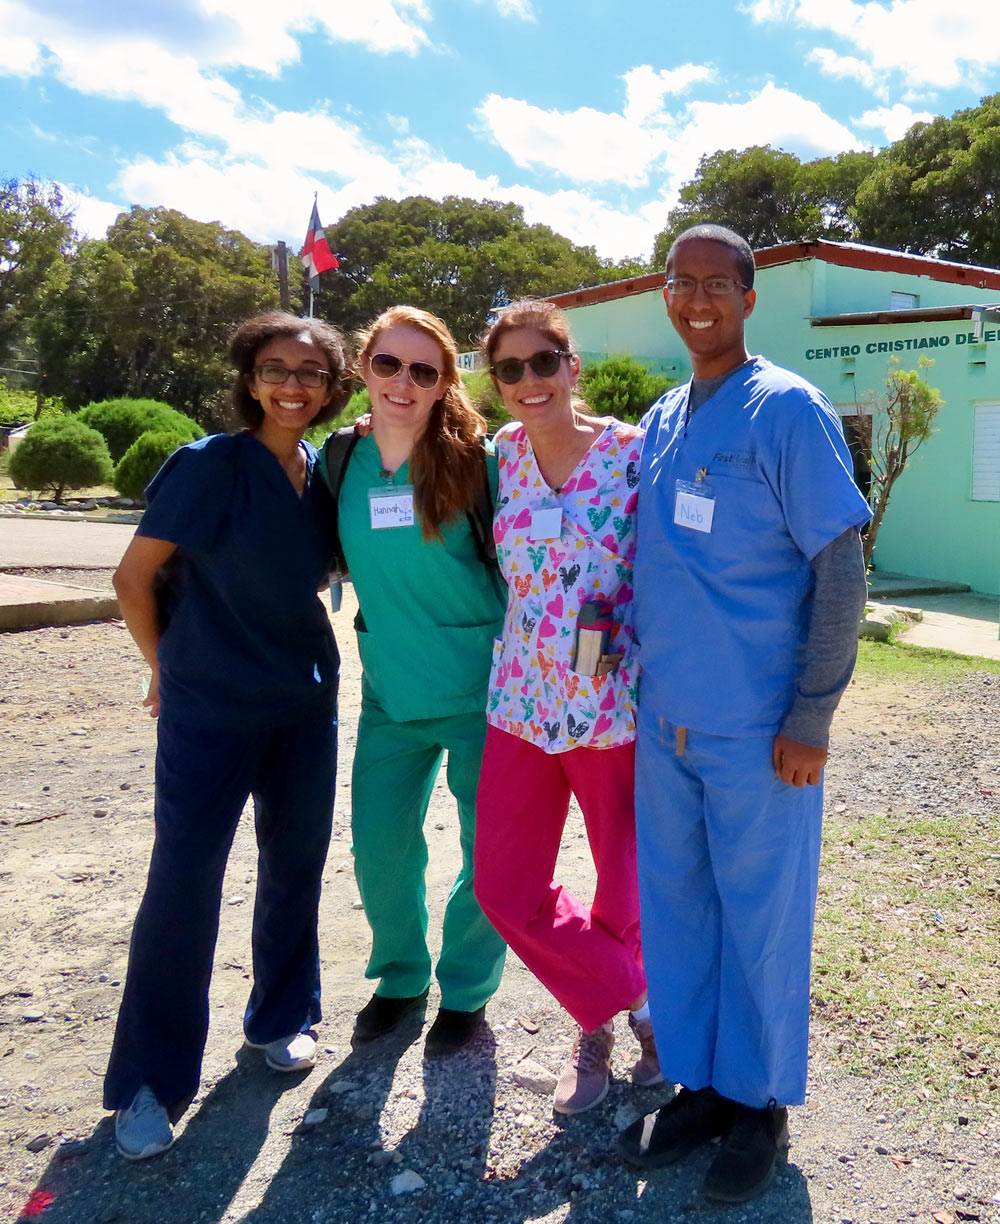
(422, 374)
(714, 286)
(511, 369)
(307, 376)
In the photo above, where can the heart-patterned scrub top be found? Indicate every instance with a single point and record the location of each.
(534, 693)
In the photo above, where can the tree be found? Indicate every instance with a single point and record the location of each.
(60, 453)
(901, 418)
(121, 421)
(937, 190)
(457, 257)
(769, 196)
(148, 311)
(622, 387)
(143, 460)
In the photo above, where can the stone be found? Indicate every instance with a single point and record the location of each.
(315, 1117)
(33, 1015)
(533, 1076)
(407, 1182)
(38, 1144)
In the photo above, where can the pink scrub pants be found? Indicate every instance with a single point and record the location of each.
(589, 957)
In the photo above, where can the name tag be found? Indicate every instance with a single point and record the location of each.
(546, 523)
(391, 506)
(694, 507)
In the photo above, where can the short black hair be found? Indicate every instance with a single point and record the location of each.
(742, 252)
(251, 336)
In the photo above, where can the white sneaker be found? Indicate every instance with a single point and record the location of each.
(143, 1130)
(295, 1053)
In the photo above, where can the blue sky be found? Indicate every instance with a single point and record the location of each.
(589, 113)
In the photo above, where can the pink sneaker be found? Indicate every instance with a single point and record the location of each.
(585, 1077)
(646, 1069)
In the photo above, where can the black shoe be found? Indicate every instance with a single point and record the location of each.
(756, 1143)
(380, 1015)
(452, 1030)
(677, 1128)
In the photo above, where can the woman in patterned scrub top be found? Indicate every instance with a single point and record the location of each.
(565, 534)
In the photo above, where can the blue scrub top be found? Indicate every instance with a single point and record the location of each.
(247, 643)
(722, 617)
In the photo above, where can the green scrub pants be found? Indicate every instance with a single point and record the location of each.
(395, 765)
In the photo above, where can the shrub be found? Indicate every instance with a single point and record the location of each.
(60, 453)
(18, 406)
(143, 460)
(622, 387)
(122, 421)
(356, 406)
(486, 398)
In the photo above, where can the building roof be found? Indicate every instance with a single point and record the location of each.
(846, 254)
(917, 314)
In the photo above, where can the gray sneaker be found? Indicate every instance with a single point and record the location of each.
(646, 1069)
(295, 1053)
(586, 1075)
(143, 1130)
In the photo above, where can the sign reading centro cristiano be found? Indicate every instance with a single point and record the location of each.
(900, 346)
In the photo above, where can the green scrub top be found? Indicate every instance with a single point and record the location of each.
(429, 610)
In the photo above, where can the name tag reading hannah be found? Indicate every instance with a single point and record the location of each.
(546, 523)
(694, 506)
(391, 506)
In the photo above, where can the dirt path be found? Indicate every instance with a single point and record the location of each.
(75, 804)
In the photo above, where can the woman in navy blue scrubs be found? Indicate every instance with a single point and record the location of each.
(219, 590)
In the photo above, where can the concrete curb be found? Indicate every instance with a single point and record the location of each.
(30, 603)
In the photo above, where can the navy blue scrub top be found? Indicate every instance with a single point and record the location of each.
(247, 644)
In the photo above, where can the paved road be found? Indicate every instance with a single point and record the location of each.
(38, 542)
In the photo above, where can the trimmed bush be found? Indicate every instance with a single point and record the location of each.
(622, 387)
(143, 460)
(60, 453)
(122, 421)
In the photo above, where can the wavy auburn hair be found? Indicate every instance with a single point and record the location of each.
(540, 316)
(447, 465)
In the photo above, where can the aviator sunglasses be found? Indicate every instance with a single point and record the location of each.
(511, 369)
(421, 373)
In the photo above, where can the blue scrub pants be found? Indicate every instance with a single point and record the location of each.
(728, 858)
(203, 780)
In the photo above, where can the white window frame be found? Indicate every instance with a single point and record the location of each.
(986, 451)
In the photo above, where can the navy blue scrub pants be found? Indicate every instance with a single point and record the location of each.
(203, 780)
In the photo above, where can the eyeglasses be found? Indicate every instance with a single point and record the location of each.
(511, 369)
(307, 376)
(714, 286)
(387, 365)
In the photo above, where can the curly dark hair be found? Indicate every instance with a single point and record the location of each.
(251, 336)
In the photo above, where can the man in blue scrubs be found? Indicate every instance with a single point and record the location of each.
(749, 583)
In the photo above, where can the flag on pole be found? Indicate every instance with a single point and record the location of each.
(315, 253)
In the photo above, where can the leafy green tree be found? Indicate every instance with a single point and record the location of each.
(622, 387)
(143, 460)
(769, 196)
(148, 311)
(122, 421)
(18, 406)
(900, 420)
(60, 453)
(457, 257)
(935, 191)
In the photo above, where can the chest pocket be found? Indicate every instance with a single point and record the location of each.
(746, 514)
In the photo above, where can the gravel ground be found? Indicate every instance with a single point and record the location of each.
(474, 1135)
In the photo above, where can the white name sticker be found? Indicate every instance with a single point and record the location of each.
(694, 510)
(546, 523)
(391, 507)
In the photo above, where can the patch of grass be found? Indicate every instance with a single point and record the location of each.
(899, 660)
(906, 971)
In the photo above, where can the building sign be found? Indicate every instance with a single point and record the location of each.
(900, 346)
(467, 362)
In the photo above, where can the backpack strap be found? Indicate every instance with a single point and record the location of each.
(333, 459)
(480, 516)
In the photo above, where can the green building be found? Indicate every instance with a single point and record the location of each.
(836, 313)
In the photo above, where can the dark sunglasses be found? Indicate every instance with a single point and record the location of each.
(307, 376)
(422, 373)
(511, 369)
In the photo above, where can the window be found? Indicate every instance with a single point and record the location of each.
(904, 301)
(986, 454)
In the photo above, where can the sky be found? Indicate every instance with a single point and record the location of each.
(590, 114)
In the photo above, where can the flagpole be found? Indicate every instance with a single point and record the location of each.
(315, 210)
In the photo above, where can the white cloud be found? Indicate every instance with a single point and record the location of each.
(849, 67)
(894, 121)
(645, 88)
(520, 9)
(927, 43)
(91, 216)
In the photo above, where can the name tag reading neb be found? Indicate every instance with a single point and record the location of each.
(391, 507)
(694, 506)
